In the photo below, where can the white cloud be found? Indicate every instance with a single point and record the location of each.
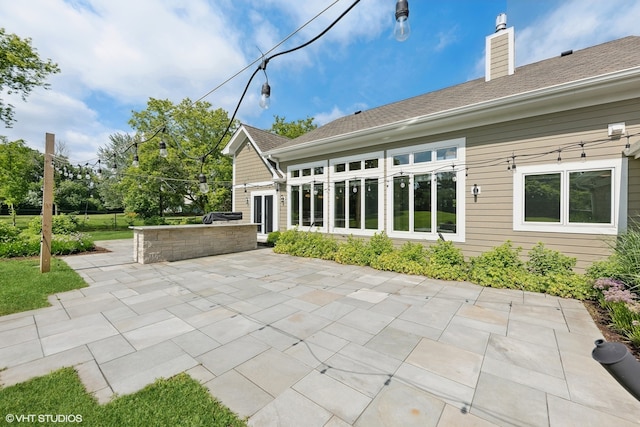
(69, 119)
(129, 51)
(323, 118)
(447, 38)
(574, 25)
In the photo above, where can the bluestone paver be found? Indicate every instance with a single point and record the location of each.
(299, 341)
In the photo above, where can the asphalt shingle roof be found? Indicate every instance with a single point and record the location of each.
(265, 140)
(598, 60)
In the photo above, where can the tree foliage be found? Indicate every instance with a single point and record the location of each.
(21, 70)
(19, 167)
(193, 133)
(292, 129)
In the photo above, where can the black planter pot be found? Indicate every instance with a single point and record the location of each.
(620, 363)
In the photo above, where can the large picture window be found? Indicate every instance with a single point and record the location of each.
(576, 197)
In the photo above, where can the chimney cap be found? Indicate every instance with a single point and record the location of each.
(501, 22)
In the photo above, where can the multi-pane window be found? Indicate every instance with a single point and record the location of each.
(426, 190)
(415, 195)
(572, 197)
(356, 204)
(356, 201)
(307, 188)
(306, 205)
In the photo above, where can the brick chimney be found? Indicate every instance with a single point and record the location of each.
(500, 51)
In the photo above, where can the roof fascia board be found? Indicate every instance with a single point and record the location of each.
(596, 90)
(236, 142)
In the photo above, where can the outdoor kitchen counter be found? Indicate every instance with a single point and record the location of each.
(175, 242)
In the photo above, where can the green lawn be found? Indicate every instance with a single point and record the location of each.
(110, 235)
(168, 402)
(23, 287)
(97, 222)
(178, 401)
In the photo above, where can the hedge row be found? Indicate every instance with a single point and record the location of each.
(545, 270)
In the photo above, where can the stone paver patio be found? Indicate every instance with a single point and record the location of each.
(302, 342)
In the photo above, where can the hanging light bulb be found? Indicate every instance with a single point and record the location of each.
(583, 155)
(136, 159)
(402, 30)
(99, 172)
(163, 144)
(265, 96)
(204, 187)
(163, 148)
(79, 176)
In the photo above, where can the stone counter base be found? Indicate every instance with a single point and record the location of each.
(176, 242)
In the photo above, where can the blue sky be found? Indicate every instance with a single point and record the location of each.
(116, 54)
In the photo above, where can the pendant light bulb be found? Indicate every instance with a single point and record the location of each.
(163, 148)
(402, 30)
(204, 187)
(265, 96)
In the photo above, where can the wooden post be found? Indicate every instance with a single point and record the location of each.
(47, 205)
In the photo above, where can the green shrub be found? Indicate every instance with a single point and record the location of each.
(65, 244)
(272, 238)
(564, 285)
(499, 267)
(380, 244)
(25, 245)
(445, 262)
(409, 259)
(354, 252)
(8, 232)
(609, 267)
(394, 261)
(61, 244)
(544, 261)
(130, 218)
(306, 244)
(60, 224)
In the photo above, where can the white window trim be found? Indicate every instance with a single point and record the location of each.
(433, 167)
(362, 175)
(276, 207)
(618, 197)
(301, 180)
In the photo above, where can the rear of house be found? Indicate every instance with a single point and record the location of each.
(546, 152)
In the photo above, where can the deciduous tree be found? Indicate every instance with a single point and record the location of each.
(19, 167)
(21, 70)
(292, 129)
